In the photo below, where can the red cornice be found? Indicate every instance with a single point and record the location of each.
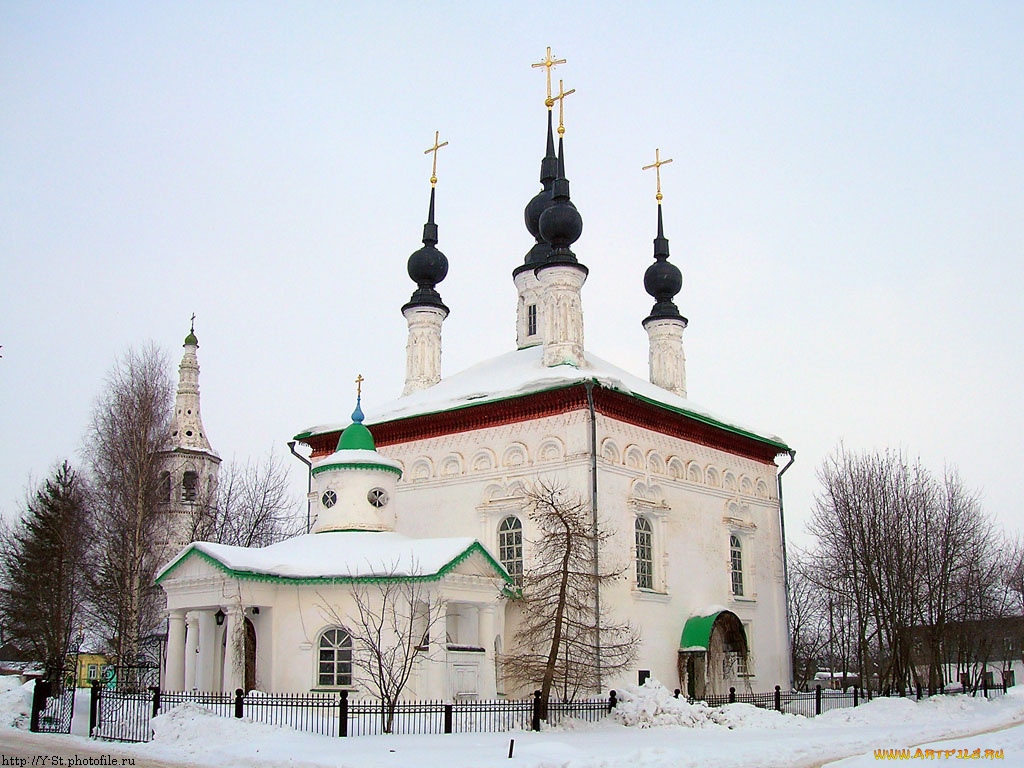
(607, 402)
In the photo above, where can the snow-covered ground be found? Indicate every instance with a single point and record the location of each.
(650, 730)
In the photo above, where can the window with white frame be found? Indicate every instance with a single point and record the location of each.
(334, 660)
(510, 547)
(531, 319)
(644, 554)
(736, 564)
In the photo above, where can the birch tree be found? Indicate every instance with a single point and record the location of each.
(130, 427)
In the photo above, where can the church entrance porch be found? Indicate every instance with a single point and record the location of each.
(713, 654)
(201, 655)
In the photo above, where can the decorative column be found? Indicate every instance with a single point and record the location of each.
(191, 649)
(667, 360)
(174, 675)
(437, 665)
(485, 636)
(234, 649)
(561, 311)
(423, 349)
(207, 645)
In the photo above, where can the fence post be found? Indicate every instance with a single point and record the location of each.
(984, 683)
(612, 701)
(448, 718)
(1004, 683)
(732, 695)
(535, 721)
(40, 691)
(855, 690)
(343, 715)
(94, 705)
(778, 698)
(239, 697)
(155, 690)
(817, 699)
(918, 691)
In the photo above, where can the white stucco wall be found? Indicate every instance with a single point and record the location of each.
(465, 485)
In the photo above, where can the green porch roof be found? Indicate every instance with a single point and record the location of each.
(697, 631)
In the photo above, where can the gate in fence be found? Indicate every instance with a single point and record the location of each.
(53, 704)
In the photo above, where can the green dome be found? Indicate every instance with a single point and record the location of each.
(191, 339)
(356, 437)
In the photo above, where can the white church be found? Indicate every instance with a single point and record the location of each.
(692, 500)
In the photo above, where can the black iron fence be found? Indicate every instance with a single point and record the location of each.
(53, 706)
(812, 703)
(125, 715)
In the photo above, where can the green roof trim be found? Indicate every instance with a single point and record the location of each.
(697, 631)
(689, 414)
(353, 465)
(476, 546)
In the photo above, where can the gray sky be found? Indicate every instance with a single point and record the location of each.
(846, 206)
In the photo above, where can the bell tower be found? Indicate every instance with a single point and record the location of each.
(188, 477)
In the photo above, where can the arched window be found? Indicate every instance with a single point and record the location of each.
(165, 486)
(736, 562)
(644, 554)
(334, 663)
(188, 486)
(510, 547)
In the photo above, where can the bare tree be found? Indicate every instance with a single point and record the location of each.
(808, 619)
(390, 633)
(560, 635)
(900, 555)
(129, 428)
(252, 506)
(42, 560)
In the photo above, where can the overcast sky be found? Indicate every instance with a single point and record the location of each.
(845, 203)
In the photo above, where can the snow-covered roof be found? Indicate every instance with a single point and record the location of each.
(340, 555)
(355, 456)
(522, 372)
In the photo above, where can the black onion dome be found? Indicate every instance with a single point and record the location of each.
(663, 280)
(561, 224)
(427, 266)
(541, 250)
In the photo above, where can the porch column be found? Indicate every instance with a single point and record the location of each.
(234, 650)
(191, 649)
(485, 636)
(174, 675)
(437, 667)
(207, 646)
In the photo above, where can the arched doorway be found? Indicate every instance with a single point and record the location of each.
(250, 656)
(712, 649)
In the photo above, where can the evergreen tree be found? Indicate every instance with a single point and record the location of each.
(42, 557)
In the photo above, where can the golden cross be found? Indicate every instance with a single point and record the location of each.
(433, 172)
(656, 165)
(359, 385)
(548, 63)
(560, 98)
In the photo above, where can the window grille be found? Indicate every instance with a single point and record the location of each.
(510, 547)
(335, 659)
(644, 554)
(736, 560)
